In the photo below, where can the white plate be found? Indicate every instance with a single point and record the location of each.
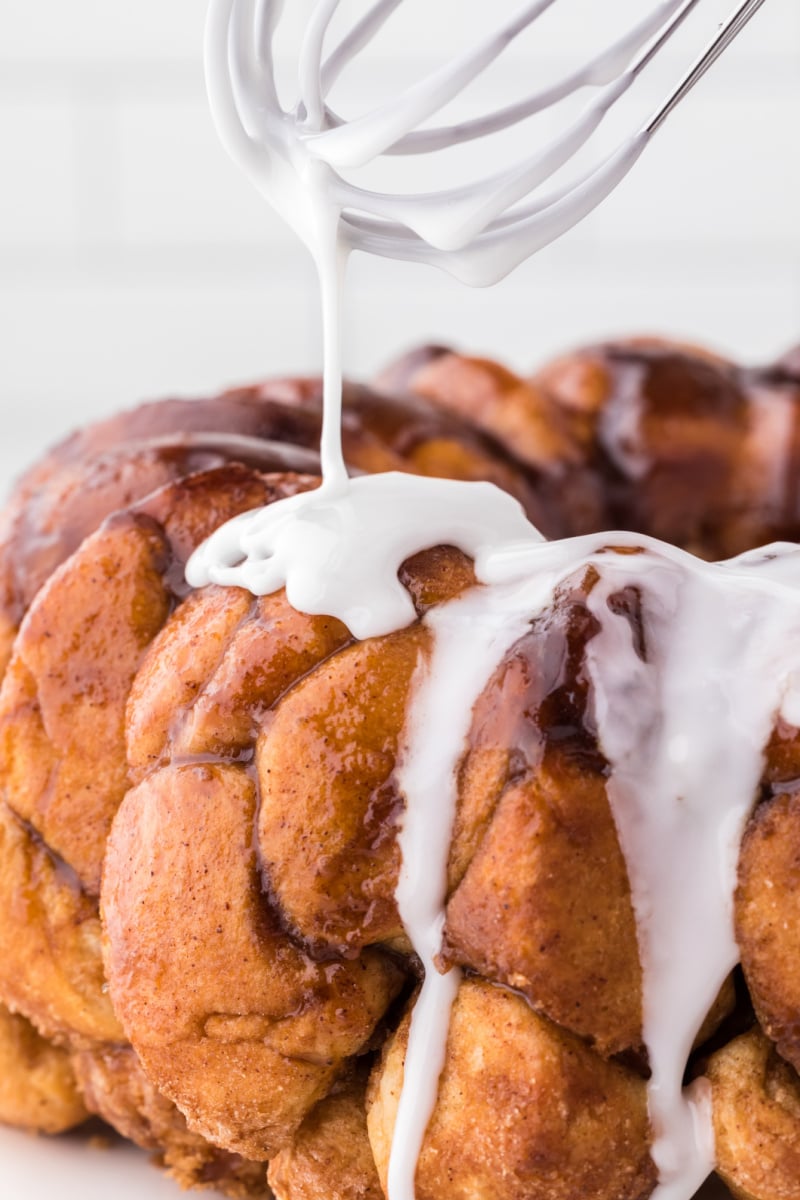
(66, 1168)
(69, 1168)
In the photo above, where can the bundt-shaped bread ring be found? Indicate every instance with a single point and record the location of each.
(225, 769)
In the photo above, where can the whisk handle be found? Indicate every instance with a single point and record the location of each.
(727, 32)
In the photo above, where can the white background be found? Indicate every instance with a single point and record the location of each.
(135, 261)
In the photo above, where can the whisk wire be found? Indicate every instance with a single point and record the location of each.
(474, 209)
(602, 69)
(375, 132)
(356, 40)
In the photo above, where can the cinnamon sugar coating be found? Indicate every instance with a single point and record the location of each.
(254, 865)
(63, 769)
(756, 1106)
(767, 916)
(330, 1156)
(230, 1018)
(525, 1110)
(116, 1088)
(38, 1088)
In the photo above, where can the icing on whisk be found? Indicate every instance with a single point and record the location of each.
(478, 231)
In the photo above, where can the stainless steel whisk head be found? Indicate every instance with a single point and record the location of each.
(480, 231)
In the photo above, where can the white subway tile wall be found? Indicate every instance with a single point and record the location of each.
(135, 260)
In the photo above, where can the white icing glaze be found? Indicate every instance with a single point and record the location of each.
(680, 791)
(449, 684)
(340, 554)
(685, 734)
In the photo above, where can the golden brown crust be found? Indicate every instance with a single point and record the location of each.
(175, 669)
(330, 1157)
(526, 420)
(38, 1090)
(326, 727)
(522, 416)
(768, 919)
(63, 766)
(50, 965)
(67, 496)
(556, 921)
(8, 631)
(329, 803)
(239, 1027)
(569, 948)
(524, 1111)
(62, 705)
(688, 445)
(216, 669)
(116, 1088)
(62, 747)
(756, 1105)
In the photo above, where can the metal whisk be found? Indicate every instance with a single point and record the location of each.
(480, 231)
